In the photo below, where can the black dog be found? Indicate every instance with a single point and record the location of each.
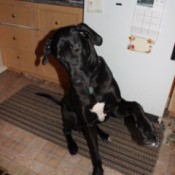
(94, 94)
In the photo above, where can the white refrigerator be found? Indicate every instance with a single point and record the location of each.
(145, 78)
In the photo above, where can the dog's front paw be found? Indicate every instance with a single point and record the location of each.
(106, 138)
(73, 148)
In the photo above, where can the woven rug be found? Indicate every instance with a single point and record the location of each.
(42, 117)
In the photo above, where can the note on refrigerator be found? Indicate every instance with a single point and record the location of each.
(147, 19)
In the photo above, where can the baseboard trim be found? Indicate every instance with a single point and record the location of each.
(3, 68)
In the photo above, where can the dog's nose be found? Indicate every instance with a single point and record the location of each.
(78, 81)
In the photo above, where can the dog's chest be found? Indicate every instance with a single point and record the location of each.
(98, 108)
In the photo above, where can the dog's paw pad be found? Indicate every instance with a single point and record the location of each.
(153, 144)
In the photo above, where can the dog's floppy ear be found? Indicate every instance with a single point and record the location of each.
(89, 33)
(46, 51)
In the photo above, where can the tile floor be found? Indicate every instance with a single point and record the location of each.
(23, 153)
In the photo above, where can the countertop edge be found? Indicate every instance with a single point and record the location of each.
(57, 2)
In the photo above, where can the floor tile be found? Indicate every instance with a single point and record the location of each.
(38, 142)
(42, 157)
(19, 147)
(65, 168)
(32, 151)
(2, 138)
(27, 138)
(24, 160)
(85, 163)
(49, 147)
(11, 154)
(54, 162)
(8, 143)
(47, 170)
(14, 168)
(17, 133)
(79, 171)
(60, 152)
(74, 159)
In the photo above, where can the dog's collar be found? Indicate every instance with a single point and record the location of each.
(90, 90)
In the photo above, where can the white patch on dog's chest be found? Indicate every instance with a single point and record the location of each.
(98, 108)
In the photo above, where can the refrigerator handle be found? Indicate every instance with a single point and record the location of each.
(119, 4)
(173, 54)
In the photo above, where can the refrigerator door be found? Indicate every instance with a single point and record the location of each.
(145, 78)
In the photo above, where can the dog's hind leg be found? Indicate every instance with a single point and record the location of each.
(127, 109)
(103, 135)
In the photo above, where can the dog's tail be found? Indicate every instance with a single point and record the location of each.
(58, 102)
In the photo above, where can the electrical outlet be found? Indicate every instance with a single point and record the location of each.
(95, 6)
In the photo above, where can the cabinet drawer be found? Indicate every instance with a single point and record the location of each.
(52, 18)
(20, 60)
(19, 38)
(11, 58)
(15, 15)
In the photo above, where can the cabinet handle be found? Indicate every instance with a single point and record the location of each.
(14, 38)
(13, 15)
(18, 57)
(57, 22)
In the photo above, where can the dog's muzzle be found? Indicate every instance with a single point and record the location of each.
(78, 81)
(78, 77)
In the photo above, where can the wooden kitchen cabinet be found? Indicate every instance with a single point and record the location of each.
(24, 28)
(171, 107)
(18, 35)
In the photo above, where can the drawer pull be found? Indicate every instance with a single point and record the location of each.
(14, 38)
(57, 22)
(13, 15)
(18, 57)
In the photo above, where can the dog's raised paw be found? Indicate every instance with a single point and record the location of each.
(109, 139)
(153, 144)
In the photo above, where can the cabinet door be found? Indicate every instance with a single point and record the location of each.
(53, 17)
(171, 107)
(17, 12)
